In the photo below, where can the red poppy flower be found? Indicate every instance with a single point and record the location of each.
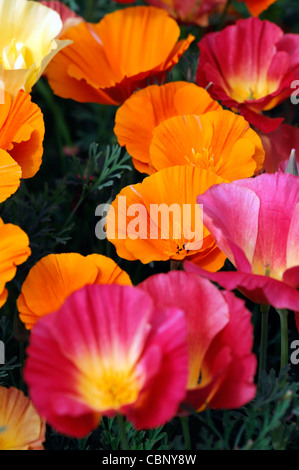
(278, 146)
(220, 339)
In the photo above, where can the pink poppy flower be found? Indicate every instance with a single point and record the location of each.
(107, 350)
(255, 223)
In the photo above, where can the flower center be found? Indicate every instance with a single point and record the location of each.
(16, 56)
(265, 269)
(241, 91)
(111, 389)
(204, 159)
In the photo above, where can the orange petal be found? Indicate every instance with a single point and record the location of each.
(219, 141)
(24, 428)
(109, 271)
(10, 174)
(109, 60)
(121, 34)
(50, 282)
(22, 132)
(14, 250)
(174, 187)
(137, 118)
(256, 7)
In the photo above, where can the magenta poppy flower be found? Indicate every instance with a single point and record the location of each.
(220, 339)
(255, 222)
(251, 66)
(107, 350)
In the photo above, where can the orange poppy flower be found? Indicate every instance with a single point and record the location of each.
(21, 141)
(168, 225)
(23, 427)
(109, 60)
(219, 141)
(56, 276)
(139, 115)
(14, 250)
(256, 7)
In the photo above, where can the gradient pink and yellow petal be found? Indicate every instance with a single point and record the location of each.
(108, 361)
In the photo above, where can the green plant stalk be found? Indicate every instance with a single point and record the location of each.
(284, 354)
(176, 265)
(122, 432)
(90, 4)
(186, 432)
(223, 15)
(264, 338)
(62, 131)
(81, 199)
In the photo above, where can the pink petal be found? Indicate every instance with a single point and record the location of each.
(205, 310)
(225, 214)
(238, 387)
(293, 239)
(278, 194)
(160, 398)
(260, 289)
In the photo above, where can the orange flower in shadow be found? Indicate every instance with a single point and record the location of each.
(56, 276)
(23, 427)
(14, 250)
(109, 60)
(159, 220)
(140, 114)
(21, 141)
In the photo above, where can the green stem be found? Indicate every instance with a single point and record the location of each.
(284, 354)
(58, 116)
(90, 4)
(122, 432)
(61, 128)
(223, 15)
(264, 338)
(186, 432)
(176, 265)
(22, 360)
(81, 199)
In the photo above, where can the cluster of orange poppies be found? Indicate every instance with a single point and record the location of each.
(175, 342)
